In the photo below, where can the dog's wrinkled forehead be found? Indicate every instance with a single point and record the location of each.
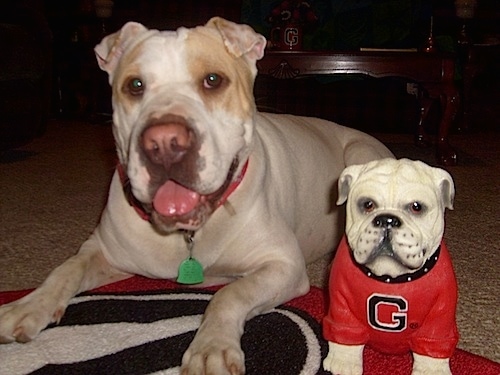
(190, 62)
(160, 57)
(218, 41)
(161, 52)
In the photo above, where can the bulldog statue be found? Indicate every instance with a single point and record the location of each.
(392, 284)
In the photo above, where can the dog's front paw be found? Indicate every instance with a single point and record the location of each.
(344, 359)
(423, 365)
(22, 320)
(213, 355)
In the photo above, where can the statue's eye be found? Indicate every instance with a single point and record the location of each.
(212, 81)
(368, 205)
(135, 86)
(416, 207)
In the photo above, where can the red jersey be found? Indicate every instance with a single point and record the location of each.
(414, 312)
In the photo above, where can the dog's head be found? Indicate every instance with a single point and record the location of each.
(395, 213)
(183, 113)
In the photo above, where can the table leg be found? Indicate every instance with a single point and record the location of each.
(446, 155)
(422, 138)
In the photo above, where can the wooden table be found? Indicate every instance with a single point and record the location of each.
(434, 72)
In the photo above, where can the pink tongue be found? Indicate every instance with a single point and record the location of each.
(172, 199)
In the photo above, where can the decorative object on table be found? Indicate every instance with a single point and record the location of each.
(103, 11)
(465, 10)
(392, 284)
(430, 46)
(288, 20)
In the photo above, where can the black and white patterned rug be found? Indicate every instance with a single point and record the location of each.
(142, 326)
(148, 332)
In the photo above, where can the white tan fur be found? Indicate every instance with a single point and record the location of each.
(282, 214)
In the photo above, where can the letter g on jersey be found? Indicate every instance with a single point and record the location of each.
(387, 313)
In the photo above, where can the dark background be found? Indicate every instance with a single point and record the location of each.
(48, 68)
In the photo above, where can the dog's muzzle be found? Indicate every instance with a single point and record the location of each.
(388, 236)
(197, 214)
(167, 142)
(170, 148)
(176, 196)
(386, 224)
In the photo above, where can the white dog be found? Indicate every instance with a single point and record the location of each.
(392, 284)
(207, 188)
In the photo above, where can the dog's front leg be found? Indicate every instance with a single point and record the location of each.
(22, 320)
(216, 347)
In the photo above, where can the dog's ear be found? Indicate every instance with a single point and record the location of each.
(111, 48)
(444, 183)
(240, 39)
(346, 179)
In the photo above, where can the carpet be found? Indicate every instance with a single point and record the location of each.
(143, 326)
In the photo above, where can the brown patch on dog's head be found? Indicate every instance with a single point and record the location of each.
(227, 69)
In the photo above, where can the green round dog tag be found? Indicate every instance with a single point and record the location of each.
(190, 272)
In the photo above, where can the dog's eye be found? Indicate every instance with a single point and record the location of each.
(212, 81)
(368, 205)
(135, 86)
(416, 207)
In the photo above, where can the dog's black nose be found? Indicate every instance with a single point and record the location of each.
(386, 221)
